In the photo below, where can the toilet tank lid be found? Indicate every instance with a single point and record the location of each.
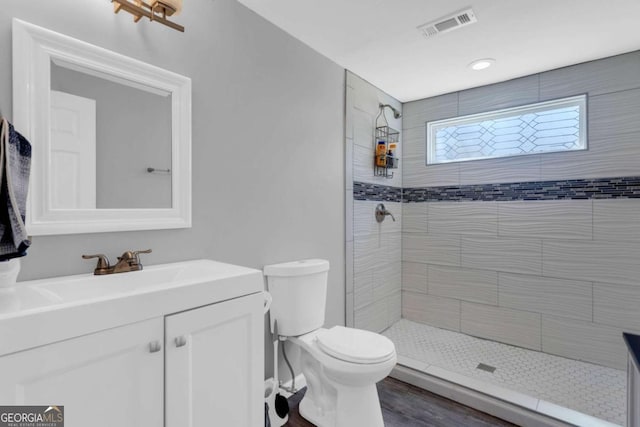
(297, 268)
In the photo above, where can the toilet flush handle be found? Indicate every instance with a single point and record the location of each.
(268, 299)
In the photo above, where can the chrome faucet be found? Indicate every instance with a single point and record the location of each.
(129, 261)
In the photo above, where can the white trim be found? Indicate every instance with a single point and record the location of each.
(34, 48)
(433, 127)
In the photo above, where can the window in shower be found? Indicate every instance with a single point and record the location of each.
(544, 127)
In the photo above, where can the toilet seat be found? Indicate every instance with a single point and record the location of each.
(355, 345)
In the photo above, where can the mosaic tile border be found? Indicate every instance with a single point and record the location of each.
(598, 188)
(381, 193)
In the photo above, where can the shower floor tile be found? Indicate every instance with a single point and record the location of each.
(594, 390)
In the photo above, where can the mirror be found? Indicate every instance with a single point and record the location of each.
(111, 136)
(104, 137)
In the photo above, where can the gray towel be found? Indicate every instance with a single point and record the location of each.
(15, 165)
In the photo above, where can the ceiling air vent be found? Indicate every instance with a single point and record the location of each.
(448, 23)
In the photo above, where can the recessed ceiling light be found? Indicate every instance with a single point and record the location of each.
(481, 64)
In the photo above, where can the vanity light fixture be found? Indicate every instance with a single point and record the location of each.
(481, 64)
(155, 10)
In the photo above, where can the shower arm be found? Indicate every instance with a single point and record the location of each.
(396, 113)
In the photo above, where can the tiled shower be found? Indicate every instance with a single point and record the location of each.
(541, 251)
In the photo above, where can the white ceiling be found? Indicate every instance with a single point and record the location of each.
(378, 39)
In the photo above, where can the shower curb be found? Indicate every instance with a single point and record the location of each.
(500, 408)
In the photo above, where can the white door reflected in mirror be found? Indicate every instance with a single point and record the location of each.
(73, 151)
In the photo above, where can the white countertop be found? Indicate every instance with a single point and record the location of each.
(39, 312)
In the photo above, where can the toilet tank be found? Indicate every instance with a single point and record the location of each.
(299, 291)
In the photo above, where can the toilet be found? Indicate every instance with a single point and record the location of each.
(341, 365)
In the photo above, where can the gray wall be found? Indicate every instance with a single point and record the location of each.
(556, 276)
(268, 122)
(133, 132)
(373, 249)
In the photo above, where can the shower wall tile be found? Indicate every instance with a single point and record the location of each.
(565, 298)
(417, 174)
(362, 129)
(363, 289)
(463, 218)
(432, 310)
(464, 284)
(607, 75)
(414, 277)
(431, 249)
(414, 140)
(501, 95)
(365, 95)
(391, 250)
(614, 114)
(584, 341)
(417, 113)
(616, 220)
(375, 250)
(387, 280)
(619, 155)
(549, 219)
(363, 165)
(514, 327)
(598, 261)
(503, 254)
(394, 307)
(617, 305)
(373, 317)
(366, 253)
(414, 218)
(506, 169)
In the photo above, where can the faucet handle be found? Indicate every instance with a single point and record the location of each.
(146, 251)
(132, 257)
(103, 263)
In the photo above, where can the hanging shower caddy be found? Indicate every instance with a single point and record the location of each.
(386, 144)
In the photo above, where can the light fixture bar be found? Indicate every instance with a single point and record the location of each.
(138, 11)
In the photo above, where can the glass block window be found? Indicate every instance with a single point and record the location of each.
(544, 127)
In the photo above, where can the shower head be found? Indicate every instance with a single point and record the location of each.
(396, 113)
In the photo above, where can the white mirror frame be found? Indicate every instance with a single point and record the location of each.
(34, 48)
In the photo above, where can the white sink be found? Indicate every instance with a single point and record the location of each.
(36, 312)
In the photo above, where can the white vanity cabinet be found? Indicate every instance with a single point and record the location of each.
(103, 379)
(183, 355)
(213, 356)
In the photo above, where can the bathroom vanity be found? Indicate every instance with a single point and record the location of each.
(172, 345)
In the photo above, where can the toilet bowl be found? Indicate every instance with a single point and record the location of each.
(341, 365)
(341, 379)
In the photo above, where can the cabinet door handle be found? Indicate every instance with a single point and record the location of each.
(181, 341)
(155, 346)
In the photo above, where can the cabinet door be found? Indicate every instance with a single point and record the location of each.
(215, 365)
(104, 379)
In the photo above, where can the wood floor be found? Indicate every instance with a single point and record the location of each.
(404, 405)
